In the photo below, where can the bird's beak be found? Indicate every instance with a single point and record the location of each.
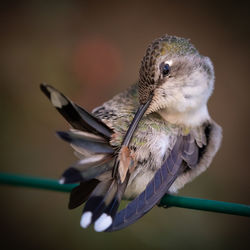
(138, 115)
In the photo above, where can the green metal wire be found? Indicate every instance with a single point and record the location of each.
(166, 201)
(206, 205)
(34, 182)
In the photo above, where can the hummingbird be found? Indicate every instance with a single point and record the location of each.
(147, 141)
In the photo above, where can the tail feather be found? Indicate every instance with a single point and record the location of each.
(81, 193)
(106, 219)
(113, 207)
(93, 160)
(87, 144)
(97, 202)
(80, 152)
(102, 206)
(87, 135)
(95, 123)
(74, 114)
(73, 175)
(87, 169)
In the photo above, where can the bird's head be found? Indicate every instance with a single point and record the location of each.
(177, 78)
(174, 81)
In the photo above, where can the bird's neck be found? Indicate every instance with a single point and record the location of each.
(192, 118)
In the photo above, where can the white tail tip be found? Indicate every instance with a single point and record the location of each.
(86, 219)
(103, 223)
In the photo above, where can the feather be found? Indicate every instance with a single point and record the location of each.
(200, 135)
(87, 169)
(74, 114)
(105, 176)
(88, 136)
(81, 155)
(190, 152)
(125, 162)
(81, 152)
(81, 193)
(86, 143)
(93, 160)
(107, 217)
(73, 175)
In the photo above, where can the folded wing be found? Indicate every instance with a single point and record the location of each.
(184, 151)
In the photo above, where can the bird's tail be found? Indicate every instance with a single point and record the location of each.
(90, 139)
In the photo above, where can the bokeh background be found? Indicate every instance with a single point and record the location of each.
(91, 50)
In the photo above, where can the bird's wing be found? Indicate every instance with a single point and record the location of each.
(184, 150)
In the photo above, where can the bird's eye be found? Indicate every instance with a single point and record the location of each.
(165, 69)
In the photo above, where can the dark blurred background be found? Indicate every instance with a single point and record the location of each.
(91, 50)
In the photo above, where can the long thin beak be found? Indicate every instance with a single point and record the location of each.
(138, 115)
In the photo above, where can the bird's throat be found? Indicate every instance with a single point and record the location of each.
(191, 118)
